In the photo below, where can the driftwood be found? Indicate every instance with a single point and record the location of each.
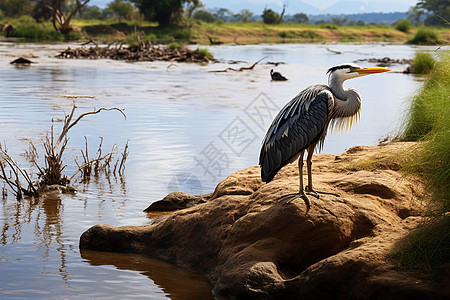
(145, 51)
(333, 51)
(386, 61)
(240, 69)
(275, 63)
(214, 41)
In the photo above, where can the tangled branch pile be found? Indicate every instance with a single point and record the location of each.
(145, 51)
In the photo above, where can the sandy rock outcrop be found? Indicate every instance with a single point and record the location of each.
(254, 243)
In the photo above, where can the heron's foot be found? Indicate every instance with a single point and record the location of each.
(312, 192)
(301, 195)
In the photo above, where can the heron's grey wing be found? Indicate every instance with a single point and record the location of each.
(293, 130)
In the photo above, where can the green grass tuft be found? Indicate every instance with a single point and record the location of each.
(430, 106)
(425, 36)
(427, 249)
(423, 63)
(175, 45)
(428, 122)
(205, 53)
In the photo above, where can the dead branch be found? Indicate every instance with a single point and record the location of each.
(124, 157)
(282, 14)
(333, 51)
(240, 69)
(68, 125)
(235, 40)
(94, 165)
(95, 112)
(214, 41)
(13, 180)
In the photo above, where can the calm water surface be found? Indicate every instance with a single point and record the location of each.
(187, 129)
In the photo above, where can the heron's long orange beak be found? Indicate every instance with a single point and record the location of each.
(365, 71)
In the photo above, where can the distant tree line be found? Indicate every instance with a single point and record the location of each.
(178, 12)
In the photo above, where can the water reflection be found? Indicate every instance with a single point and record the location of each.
(175, 281)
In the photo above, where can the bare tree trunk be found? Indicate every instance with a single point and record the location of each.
(60, 22)
(282, 14)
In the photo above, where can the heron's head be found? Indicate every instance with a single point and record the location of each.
(350, 70)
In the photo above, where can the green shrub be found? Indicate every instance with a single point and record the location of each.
(404, 25)
(309, 34)
(166, 39)
(329, 26)
(287, 35)
(183, 34)
(132, 39)
(423, 63)
(175, 45)
(425, 36)
(205, 53)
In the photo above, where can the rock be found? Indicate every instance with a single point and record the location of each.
(21, 61)
(253, 243)
(175, 201)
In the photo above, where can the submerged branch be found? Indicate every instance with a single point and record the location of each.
(240, 69)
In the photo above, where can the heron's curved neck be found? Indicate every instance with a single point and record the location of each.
(347, 101)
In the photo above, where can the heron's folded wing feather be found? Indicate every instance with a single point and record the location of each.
(291, 133)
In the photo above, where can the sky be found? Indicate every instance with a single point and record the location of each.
(307, 6)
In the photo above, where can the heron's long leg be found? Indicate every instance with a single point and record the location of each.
(309, 188)
(301, 192)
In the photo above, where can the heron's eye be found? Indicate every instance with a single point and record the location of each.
(351, 70)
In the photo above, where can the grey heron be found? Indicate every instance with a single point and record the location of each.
(302, 124)
(276, 76)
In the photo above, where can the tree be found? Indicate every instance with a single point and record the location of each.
(189, 8)
(205, 16)
(300, 18)
(269, 16)
(165, 12)
(61, 12)
(415, 14)
(223, 14)
(15, 8)
(439, 11)
(244, 16)
(121, 9)
(91, 13)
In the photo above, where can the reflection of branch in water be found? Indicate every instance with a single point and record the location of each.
(177, 282)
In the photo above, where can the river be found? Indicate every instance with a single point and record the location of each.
(187, 128)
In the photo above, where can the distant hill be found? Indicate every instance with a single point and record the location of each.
(298, 6)
(380, 18)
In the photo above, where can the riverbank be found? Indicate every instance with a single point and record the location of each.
(132, 32)
(256, 33)
(252, 243)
